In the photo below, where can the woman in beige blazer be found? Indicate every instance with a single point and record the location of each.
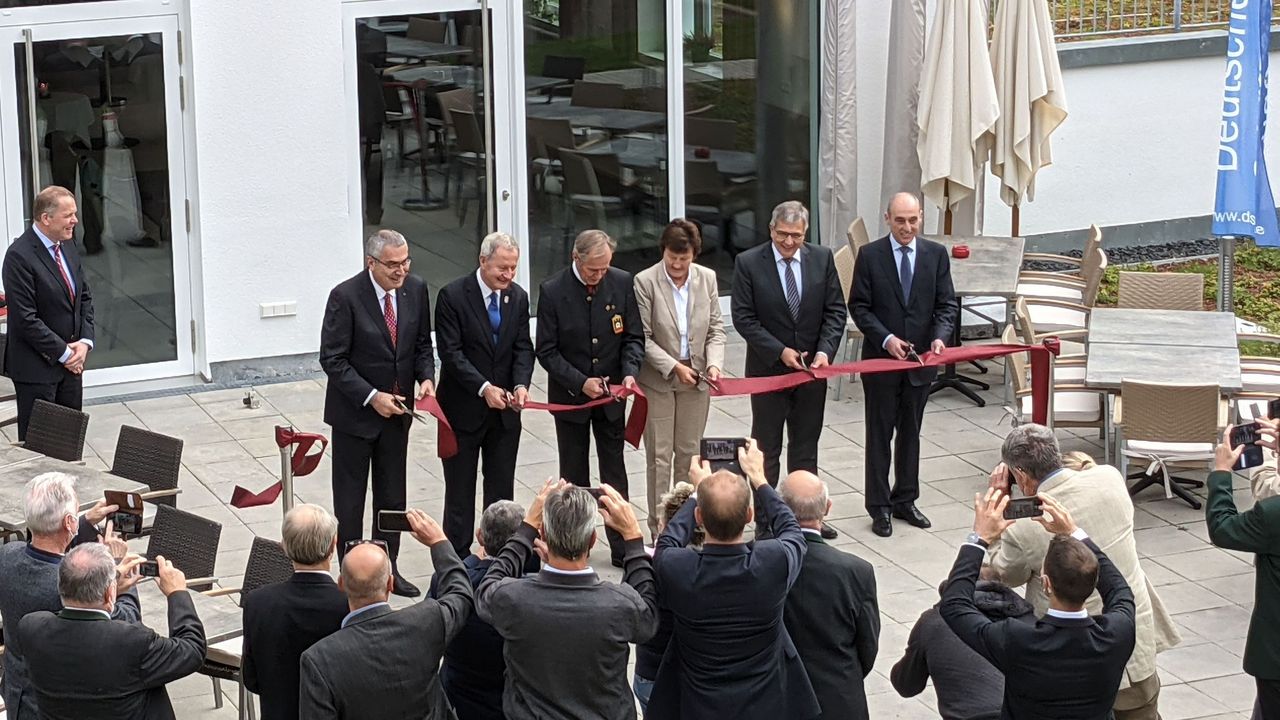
(683, 336)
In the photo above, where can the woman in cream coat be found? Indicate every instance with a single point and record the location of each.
(683, 338)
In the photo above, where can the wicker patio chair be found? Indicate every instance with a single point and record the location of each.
(1161, 291)
(1165, 425)
(188, 541)
(152, 459)
(56, 431)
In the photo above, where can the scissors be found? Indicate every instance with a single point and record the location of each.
(604, 381)
(912, 354)
(702, 378)
(410, 411)
(804, 363)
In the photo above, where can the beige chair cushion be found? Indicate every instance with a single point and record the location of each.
(1070, 407)
(1259, 381)
(1169, 450)
(1045, 290)
(227, 652)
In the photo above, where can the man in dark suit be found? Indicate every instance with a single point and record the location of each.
(486, 365)
(1256, 530)
(282, 620)
(902, 300)
(385, 663)
(50, 308)
(83, 664)
(374, 344)
(1066, 665)
(832, 613)
(788, 306)
(474, 670)
(589, 332)
(730, 654)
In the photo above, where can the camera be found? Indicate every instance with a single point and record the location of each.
(126, 523)
(1247, 435)
(722, 453)
(149, 568)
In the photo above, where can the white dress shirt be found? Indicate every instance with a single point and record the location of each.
(681, 296)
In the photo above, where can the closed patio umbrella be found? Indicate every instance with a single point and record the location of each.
(1033, 100)
(958, 107)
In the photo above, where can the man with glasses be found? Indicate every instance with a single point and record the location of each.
(375, 344)
(788, 306)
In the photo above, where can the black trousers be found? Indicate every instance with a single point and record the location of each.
(495, 444)
(801, 409)
(893, 405)
(67, 392)
(353, 457)
(1268, 699)
(573, 441)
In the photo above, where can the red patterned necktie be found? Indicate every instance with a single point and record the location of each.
(66, 279)
(389, 313)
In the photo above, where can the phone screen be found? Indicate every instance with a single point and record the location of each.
(1023, 508)
(393, 521)
(149, 568)
(1247, 435)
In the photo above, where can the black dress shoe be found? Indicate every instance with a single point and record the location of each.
(404, 588)
(828, 532)
(912, 515)
(881, 524)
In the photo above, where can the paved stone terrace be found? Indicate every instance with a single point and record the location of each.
(1210, 591)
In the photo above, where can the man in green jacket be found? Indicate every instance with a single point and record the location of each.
(1257, 531)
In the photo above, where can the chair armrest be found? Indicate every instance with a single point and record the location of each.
(1050, 257)
(1224, 412)
(1081, 333)
(202, 581)
(1259, 337)
(1116, 405)
(152, 495)
(1049, 278)
(1032, 300)
(220, 592)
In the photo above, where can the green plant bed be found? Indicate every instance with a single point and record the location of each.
(1257, 293)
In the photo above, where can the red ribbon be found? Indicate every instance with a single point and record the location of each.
(446, 441)
(301, 463)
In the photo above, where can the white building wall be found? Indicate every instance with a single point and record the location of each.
(271, 154)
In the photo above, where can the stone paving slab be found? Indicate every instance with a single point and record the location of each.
(1209, 591)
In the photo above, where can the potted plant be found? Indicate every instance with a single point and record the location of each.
(699, 45)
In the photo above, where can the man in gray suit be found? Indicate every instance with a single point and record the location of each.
(831, 611)
(568, 634)
(385, 663)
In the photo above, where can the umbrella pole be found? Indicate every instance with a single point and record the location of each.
(946, 203)
(1227, 273)
(1016, 221)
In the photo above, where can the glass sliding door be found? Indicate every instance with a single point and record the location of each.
(596, 128)
(429, 160)
(94, 107)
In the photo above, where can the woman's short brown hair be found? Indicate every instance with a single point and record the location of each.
(681, 236)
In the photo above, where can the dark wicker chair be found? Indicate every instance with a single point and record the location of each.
(56, 431)
(267, 564)
(188, 541)
(153, 460)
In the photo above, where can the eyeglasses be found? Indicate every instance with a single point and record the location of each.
(789, 235)
(349, 545)
(402, 265)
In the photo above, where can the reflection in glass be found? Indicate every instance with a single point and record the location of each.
(101, 132)
(749, 103)
(422, 143)
(596, 103)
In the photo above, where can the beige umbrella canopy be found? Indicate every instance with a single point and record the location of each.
(1033, 101)
(958, 105)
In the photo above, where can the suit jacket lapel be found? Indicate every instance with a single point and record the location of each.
(402, 309)
(775, 281)
(667, 294)
(46, 258)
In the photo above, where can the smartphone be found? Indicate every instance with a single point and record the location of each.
(722, 453)
(1247, 435)
(393, 521)
(127, 520)
(597, 493)
(1023, 508)
(1273, 409)
(149, 568)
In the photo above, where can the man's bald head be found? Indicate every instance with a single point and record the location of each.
(904, 216)
(366, 575)
(806, 495)
(724, 505)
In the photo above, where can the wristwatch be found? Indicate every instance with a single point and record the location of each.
(976, 539)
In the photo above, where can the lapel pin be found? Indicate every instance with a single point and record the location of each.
(506, 299)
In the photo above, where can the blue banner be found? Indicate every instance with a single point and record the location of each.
(1244, 205)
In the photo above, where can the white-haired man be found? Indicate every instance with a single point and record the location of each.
(486, 366)
(375, 344)
(29, 574)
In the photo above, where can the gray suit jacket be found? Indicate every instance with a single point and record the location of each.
(568, 637)
(386, 663)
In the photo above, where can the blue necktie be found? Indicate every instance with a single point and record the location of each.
(495, 317)
(904, 272)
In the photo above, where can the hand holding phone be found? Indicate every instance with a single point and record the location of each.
(1247, 436)
(127, 519)
(722, 453)
(393, 521)
(1020, 508)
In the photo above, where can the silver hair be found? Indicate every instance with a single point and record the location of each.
(85, 574)
(498, 523)
(307, 534)
(495, 240)
(569, 522)
(589, 241)
(806, 509)
(50, 498)
(1032, 449)
(790, 211)
(381, 240)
